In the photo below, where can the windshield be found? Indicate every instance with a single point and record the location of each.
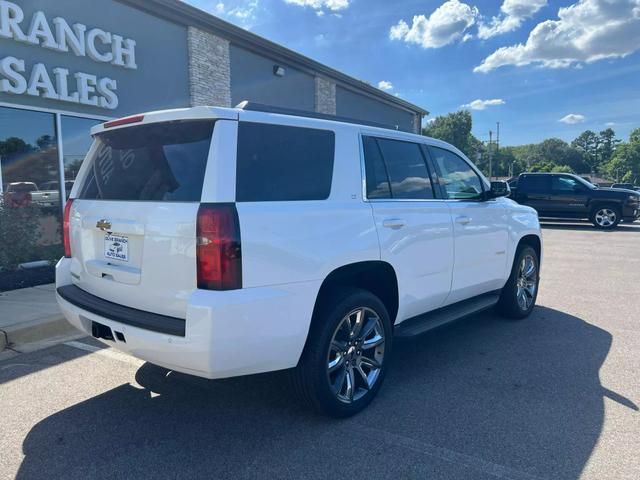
(159, 161)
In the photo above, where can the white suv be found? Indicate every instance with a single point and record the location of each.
(221, 242)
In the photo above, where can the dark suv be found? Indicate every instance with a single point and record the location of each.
(561, 195)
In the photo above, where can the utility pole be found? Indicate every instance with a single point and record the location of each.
(497, 136)
(490, 155)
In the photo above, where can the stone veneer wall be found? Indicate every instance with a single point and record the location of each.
(417, 120)
(209, 69)
(325, 97)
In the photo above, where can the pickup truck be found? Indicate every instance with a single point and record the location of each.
(626, 186)
(20, 194)
(562, 195)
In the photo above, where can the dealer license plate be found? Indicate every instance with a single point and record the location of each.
(116, 247)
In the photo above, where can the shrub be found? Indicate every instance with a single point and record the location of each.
(19, 232)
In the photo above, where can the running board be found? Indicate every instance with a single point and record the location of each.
(428, 321)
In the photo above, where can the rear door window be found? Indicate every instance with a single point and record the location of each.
(536, 184)
(396, 169)
(283, 163)
(158, 161)
(376, 172)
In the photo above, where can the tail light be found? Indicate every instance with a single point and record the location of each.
(65, 229)
(218, 252)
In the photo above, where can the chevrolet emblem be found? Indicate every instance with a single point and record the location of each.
(104, 224)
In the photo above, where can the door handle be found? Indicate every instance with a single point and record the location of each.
(463, 220)
(393, 223)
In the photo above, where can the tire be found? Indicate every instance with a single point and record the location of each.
(330, 345)
(606, 217)
(518, 296)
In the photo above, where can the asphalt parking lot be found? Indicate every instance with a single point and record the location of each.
(555, 396)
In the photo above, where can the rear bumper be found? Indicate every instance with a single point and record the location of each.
(226, 334)
(119, 313)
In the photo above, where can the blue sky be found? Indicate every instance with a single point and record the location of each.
(542, 68)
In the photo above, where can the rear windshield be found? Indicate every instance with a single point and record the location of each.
(160, 162)
(22, 187)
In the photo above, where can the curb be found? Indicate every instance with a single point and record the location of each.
(35, 331)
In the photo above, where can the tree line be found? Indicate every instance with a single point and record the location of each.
(591, 153)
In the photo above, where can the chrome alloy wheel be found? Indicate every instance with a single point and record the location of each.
(356, 353)
(526, 282)
(605, 217)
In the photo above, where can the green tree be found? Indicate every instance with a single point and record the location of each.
(513, 160)
(504, 163)
(608, 144)
(530, 154)
(46, 142)
(551, 151)
(587, 143)
(547, 166)
(13, 145)
(561, 153)
(624, 165)
(455, 128)
(562, 169)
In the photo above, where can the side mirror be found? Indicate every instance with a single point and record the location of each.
(499, 189)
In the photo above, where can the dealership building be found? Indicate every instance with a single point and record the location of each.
(70, 64)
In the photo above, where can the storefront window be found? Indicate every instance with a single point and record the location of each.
(30, 206)
(76, 141)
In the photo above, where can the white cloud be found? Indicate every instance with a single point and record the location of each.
(241, 12)
(333, 5)
(610, 124)
(572, 119)
(447, 24)
(398, 31)
(512, 14)
(587, 31)
(385, 85)
(482, 104)
(321, 40)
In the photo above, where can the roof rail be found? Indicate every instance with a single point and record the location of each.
(259, 107)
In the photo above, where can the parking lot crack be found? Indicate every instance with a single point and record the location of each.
(451, 456)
